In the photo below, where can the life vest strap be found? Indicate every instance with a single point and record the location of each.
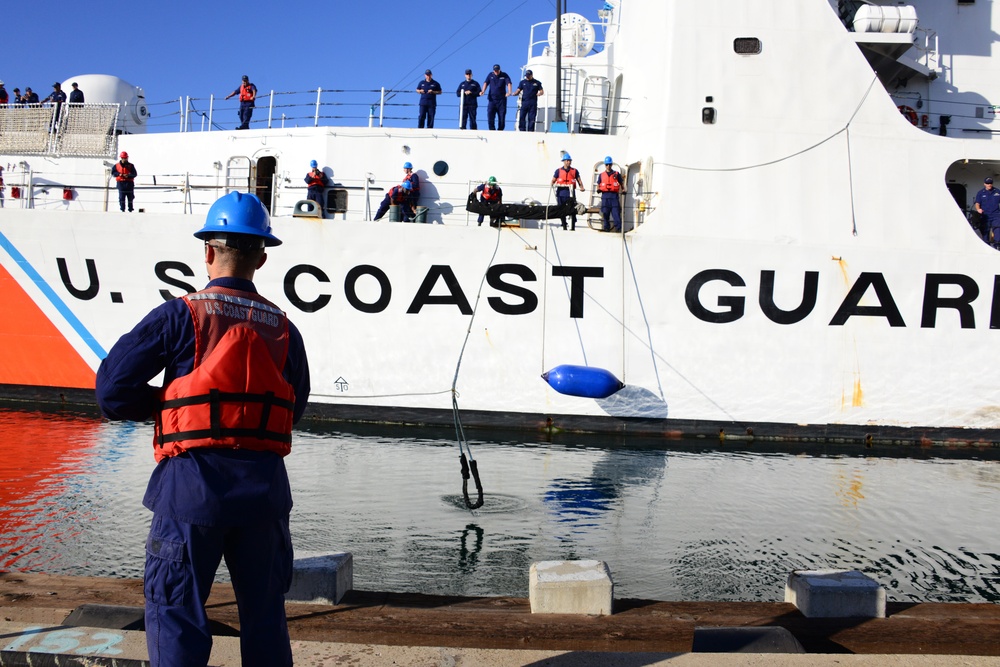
(227, 433)
(215, 396)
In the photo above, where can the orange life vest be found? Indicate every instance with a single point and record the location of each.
(608, 181)
(490, 194)
(236, 396)
(567, 177)
(247, 92)
(314, 181)
(123, 172)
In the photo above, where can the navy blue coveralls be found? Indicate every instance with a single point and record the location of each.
(207, 504)
(495, 88)
(470, 102)
(989, 201)
(566, 193)
(529, 89)
(429, 91)
(396, 195)
(611, 207)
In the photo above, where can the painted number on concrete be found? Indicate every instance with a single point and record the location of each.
(35, 640)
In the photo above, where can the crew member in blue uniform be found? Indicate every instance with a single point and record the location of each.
(411, 177)
(490, 193)
(429, 89)
(496, 87)
(609, 184)
(125, 173)
(316, 181)
(529, 89)
(57, 97)
(248, 98)
(988, 206)
(468, 92)
(566, 179)
(235, 379)
(398, 195)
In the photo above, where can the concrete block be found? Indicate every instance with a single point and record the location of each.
(835, 594)
(570, 587)
(321, 578)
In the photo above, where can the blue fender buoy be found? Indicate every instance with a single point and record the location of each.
(583, 381)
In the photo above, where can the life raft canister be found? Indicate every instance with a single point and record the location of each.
(236, 397)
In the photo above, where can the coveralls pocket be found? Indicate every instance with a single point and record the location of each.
(168, 579)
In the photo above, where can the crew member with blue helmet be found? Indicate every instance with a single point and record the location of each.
(235, 379)
(609, 184)
(468, 92)
(429, 89)
(316, 182)
(529, 89)
(566, 179)
(988, 206)
(497, 88)
(398, 195)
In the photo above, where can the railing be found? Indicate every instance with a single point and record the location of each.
(83, 130)
(333, 107)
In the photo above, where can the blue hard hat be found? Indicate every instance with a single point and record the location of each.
(407, 165)
(566, 157)
(608, 160)
(406, 185)
(313, 163)
(238, 213)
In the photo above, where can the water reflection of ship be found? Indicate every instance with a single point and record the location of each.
(579, 501)
(37, 459)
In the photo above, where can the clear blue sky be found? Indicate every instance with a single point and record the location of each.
(197, 49)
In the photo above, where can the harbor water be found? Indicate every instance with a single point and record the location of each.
(674, 519)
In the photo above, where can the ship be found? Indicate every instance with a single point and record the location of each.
(800, 253)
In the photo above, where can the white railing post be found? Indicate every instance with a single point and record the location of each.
(319, 93)
(180, 101)
(371, 116)
(381, 107)
(211, 110)
(270, 109)
(461, 109)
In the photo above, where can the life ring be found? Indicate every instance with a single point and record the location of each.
(909, 113)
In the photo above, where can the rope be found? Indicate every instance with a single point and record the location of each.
(465, 452)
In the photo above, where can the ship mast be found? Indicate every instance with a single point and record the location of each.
(559, 11)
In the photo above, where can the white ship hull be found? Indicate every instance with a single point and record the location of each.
(797, 264)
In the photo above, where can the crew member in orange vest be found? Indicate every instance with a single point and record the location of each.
(609, 184)
(566, 179)
(316, 181)
(235, 378)
(248, 95)
(491, 194)
(124, 173)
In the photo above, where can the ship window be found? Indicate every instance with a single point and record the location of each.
(746, 46)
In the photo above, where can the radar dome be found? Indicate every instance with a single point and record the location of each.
(106, 89)
(577, 36)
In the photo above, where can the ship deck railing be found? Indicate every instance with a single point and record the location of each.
(346, 199)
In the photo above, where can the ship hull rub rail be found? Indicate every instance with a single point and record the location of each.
(937, 441)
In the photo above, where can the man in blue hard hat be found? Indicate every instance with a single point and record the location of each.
(610, 184)
(566, 179)
(316, 182)
(235, 379)
(398, 195)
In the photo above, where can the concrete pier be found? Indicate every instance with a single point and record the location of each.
(570, 587)
(321, 578)
(369, 628)
(835, 594)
